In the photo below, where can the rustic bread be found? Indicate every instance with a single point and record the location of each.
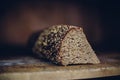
(65, 44)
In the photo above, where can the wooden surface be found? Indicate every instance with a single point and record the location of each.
(31, 68)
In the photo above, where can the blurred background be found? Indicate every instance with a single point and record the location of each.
(19, 19)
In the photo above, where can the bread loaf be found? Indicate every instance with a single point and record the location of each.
(64, 45)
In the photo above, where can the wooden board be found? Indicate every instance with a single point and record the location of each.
(31, 68)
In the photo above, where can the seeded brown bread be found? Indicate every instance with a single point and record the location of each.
(65, 44)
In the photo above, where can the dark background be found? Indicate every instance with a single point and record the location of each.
(100, 20)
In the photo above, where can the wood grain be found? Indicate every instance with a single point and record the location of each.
(30, 68)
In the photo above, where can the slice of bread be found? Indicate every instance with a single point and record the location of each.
(65, 44)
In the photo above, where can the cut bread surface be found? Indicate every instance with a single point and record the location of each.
(75, 49)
